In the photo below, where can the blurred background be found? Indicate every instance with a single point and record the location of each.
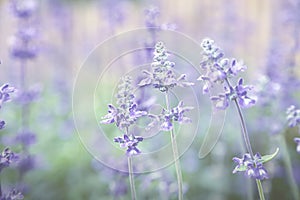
(64, 57)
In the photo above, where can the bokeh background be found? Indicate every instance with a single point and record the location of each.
(265, 34)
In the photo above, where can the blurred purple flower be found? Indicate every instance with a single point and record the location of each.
(6, 158)
(254, 167)
(5, 91)
(293, 116)
(162, 76)
(129, 142)
(23, 8)
(166, 118)
(2, 124)
(297, 141)
(26, 138)
(12, 195)
(28, 96)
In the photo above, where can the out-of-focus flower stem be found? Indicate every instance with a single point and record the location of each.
(175, 155)
(130, 174)
(288, 165)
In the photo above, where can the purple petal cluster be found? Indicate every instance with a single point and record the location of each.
(293, 116)
(22, 43)
(12, 195)
(5, 91)
(6, 158)
(218, 70)
(162, 76)
(125, 115)
(166, 119)
(254, 167)
(297, 141)
(127, 111)
(130, 142)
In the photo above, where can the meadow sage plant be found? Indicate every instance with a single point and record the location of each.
(220, 70)
(163, 77)
(7, 157)
(293, 119)
(125, 115)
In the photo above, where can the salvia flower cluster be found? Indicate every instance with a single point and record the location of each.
(254, 166)
(163, 76)
(219, 70)
(7, 157)
(293, 119)
(125, 115)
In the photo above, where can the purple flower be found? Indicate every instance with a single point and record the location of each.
(127, 112)
(2, 124)
(5, 91)
(166, 118)
(27, 97)
(241, 92)
(12, 195)
(26, 137)
(129, 142)
(23, 8)
(297, 141)
(162, 76)
(293, 116)
(253, 167)
(6, 158)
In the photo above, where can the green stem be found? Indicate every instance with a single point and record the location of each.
(260, 189)
(131, 179)
(288, 165)
(176, 156)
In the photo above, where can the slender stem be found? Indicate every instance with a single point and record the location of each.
(176, 156)
(244, 129)
(288, 165)
(130, 173)
(247, 140)
(131, 179)
(260, 189)
(0, 189)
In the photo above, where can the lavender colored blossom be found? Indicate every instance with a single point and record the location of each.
(162, 76)
(166, 118)
(297, 141)
(218, 70)
(129, 142)
(28, 96)
(151, 16)
(125, 115)
(5, 91)
(127, 111)
(293, 116)
(12, 195)
(6, 158)
(2, 124)
(23, 8)
(26, 137)
(254, 167)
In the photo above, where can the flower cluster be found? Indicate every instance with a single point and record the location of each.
(125, 115)
(5, 91)
(129, 142)
(162, 76)
(293, 119)
(166, 118)
(253, 167)
(22, 45)
(12, 195)
(218, 70)
(6, 158)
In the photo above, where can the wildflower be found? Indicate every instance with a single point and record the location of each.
(2, 124)
(6, 158)
(253, 167)
(166, 118)
(12, 195)
(293, 116)
(5, 91)
(162, 76)
(218, 70)
(129, 142)
(127, 111)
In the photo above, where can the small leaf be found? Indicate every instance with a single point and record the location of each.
(240, 168)
(267, 158)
